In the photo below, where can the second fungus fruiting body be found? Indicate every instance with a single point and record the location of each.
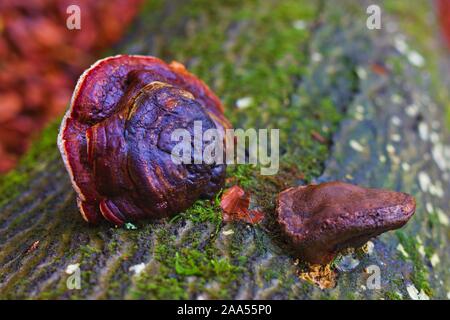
(321, 220)
(116, 139)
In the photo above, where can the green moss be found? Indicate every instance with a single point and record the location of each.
(113, 246)
(34, 161)
(270, 274)
(420, 275)
(351, 296)
(243, 175)
(433, 220)
(191, 262)
(203, 211)
(392, 295)
(87, 251)
(177, 265)
(159, 287)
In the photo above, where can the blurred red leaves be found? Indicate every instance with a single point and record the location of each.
(41, 59)
(443, 7)
(235, 202)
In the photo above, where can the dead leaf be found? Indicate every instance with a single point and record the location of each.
(33, 247)
(318, 137)
(379, 69)
(235, 202)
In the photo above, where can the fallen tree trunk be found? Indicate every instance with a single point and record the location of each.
(304, 68)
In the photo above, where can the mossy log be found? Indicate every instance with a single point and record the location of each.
(305, 67)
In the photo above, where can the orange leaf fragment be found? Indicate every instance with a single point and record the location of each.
(379, 69)
(235, 202)
(33, 247)
(318, 137)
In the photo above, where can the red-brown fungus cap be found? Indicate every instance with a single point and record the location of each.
(115, 139)
(320, 220)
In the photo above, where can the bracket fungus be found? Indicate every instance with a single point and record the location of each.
(116, 144)
(321, 220)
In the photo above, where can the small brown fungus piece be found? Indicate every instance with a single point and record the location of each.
(116, 139)
(321, 220)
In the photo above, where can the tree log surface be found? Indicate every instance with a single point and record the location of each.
(392, 135)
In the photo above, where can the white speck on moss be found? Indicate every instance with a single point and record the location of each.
(405, 166)
(130, 226)
(423, 131)
(424, 181)
(401, 45)
(402, 250)
(396, 137)
(299, 25)
(390, 149)
(434, 260)
(359, 108)
(361, 72)
(421, 250)
(419, 239)
(441, 155)
(416, 59)
(412, 110)
(397, 99)
(137, 268)
(316, 57)
(228, 232)
(382, 158)
(415, 294)
(396, 121)
(244, 102)
(71, 268)
(434, 137)
(355, 145)
(442, 217)
(436, 190)
(429, 207)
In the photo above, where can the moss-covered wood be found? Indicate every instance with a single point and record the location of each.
(305, 66)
